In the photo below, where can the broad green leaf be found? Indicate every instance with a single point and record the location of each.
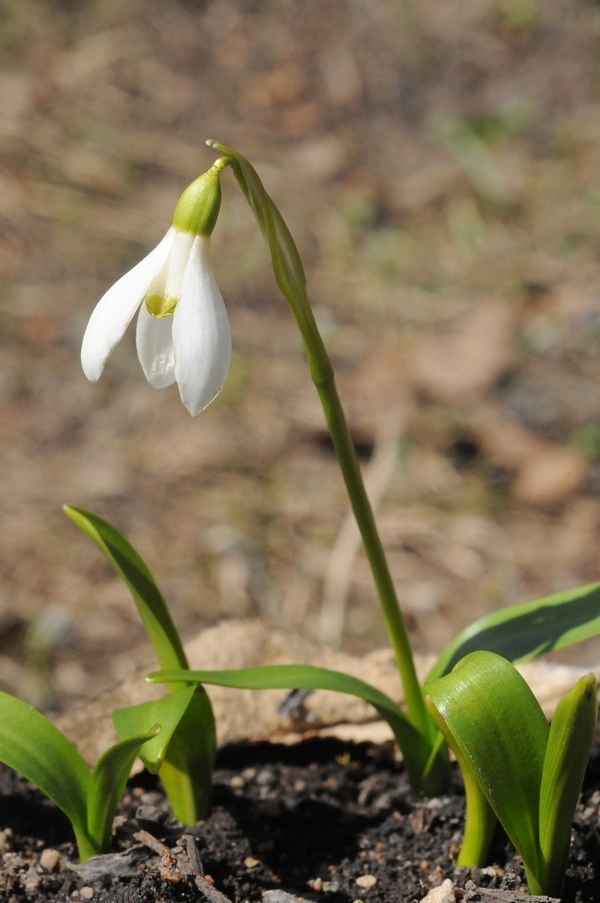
(146, 595)
(135, 720)
(569, 744)
(493, 720)
(186, 772)
(523, 632)
(107, 784)
(38, 751)
(415, 747)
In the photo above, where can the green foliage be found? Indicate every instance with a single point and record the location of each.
(183, 754)
(136, 574)
(524, 632)
(36, 749)
(108, 782)
(415, 746)
(529, 774)
(187, 748)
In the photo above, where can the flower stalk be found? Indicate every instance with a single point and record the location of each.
(290, 277)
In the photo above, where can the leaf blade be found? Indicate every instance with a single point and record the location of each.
(37, 750)
(107, 784)
(132, 721)
(186, 772)
(569, 744)
(497, 725)
(523, 632)
(138, 578)
(413, 744)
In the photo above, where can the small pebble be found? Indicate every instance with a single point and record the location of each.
(32, 884)
(87, 892)
(316, 884)
(250, 862)
(366, 881)
(237, 782)
(49, 859)
(442, 894)
(6, 840)
(264, 777)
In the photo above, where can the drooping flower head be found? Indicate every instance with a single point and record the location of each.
(182, 329)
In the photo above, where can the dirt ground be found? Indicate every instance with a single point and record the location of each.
(321, 820)
(439, 166)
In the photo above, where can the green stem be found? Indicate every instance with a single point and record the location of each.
(363, 512)
(86, 847)
(290, 277)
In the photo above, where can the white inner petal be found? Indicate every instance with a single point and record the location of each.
(154, 340)
(165, 289)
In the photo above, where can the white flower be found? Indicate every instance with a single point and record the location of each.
(182, 329)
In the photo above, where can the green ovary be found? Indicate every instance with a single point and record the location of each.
(159, 306)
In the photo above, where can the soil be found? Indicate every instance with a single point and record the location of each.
(320, 820)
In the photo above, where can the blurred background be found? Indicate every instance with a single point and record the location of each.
(438, 162)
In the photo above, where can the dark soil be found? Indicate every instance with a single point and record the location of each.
(308, 820)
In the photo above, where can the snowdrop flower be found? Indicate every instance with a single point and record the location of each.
(182, 328)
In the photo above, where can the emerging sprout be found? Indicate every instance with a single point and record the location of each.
(513, 764)
(32, 746)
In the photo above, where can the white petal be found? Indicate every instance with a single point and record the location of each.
(201, 333)
(154, 340)
(114, 312)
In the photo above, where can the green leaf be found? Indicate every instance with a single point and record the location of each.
(569, 744)
(480, 821)
(414, 746)
(107, 784)
(135, 720)
(183, 754)
(187, 748)
(523, 632)
(38, 751)
(146, 595)
(186, 772)
(493, 720)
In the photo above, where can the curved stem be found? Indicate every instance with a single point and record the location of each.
(290, 277)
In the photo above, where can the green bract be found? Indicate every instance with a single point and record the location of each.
(36, 749)
(530, 775)
(198, 207)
